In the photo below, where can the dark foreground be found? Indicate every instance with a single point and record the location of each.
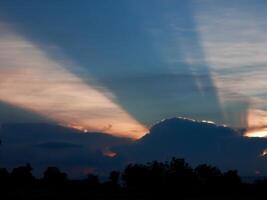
(156, 180)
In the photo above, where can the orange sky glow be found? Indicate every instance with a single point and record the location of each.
(257, 123)
(32, 80)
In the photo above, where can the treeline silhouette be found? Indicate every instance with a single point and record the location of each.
(174, 178)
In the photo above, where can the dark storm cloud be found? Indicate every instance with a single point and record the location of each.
(199, 142)
(77, 153)
(45, 145)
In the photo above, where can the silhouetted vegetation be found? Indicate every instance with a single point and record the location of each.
(174, 178)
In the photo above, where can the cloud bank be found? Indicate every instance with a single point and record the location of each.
(45, 145)
(199, 142)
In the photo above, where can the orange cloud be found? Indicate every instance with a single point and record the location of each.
(257, 123)
(107, 152)
(32, 80)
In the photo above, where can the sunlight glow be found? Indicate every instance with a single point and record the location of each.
(257, 123)
(264, 153)
(32, 80)
(234, 42)
(259, 132)
(109, 153)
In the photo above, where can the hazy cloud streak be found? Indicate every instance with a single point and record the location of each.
(32, 80)
(234, 41)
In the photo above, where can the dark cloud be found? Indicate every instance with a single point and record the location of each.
(45, 145)
(57, 145)
(199, 142)
(13, 114)
(78, 153)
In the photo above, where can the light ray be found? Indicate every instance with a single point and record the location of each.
(234, 41)
(32, 80)
(257, 123)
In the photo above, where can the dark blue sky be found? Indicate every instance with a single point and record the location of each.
(121, 66)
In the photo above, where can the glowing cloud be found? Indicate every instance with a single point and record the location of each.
(257, 126)
(32, 80)
(257, 132)
(109, 153)
(264, 153)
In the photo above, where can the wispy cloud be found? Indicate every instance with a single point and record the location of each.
(31, 79)
(234, 41)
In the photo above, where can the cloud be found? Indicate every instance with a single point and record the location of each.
(32, 80)
(233, 36)
(45, 145)
(57, 145)
(199, 142)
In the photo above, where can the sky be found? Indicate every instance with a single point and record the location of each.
(119, 67)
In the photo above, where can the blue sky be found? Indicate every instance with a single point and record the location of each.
(155, 59)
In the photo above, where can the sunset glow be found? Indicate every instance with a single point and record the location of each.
(264, 153)
(95, 94)
(109, 153)
(257, 123)
(31, 80)
(258, 132)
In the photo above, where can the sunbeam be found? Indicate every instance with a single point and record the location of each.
(234, 41)
(32, 80)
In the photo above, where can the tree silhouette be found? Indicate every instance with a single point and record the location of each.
(208, 175)
(22, 176)
(231, 177)
(114, 178)
(136, 176)
(4, 178)
(157, 175)
(4, 175)
(180, 175)
(92, 181)
(53, 175)
(174, 178)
